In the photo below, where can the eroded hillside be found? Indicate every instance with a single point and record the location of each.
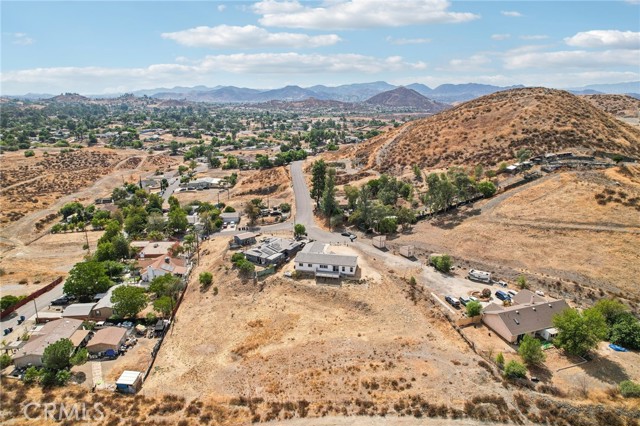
(491, 129)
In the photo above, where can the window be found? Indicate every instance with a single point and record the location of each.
(324, 267)
(343, 269)
(309, 265)
(351, 269)
(300, 264)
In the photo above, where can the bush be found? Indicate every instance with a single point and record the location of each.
(205, 279)
(29, 153)
(500, 359)
(487, 189)
(629, 389)
(531, 350)
(514, 370)
(474, 309)
(32, 375)
(442, 263)
(5, 361)
(237, 257)
(522, 282)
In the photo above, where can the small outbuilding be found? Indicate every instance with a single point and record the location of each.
(129, 382)
(107, 338)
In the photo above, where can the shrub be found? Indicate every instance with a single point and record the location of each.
(443, 263)
(5, 361)
(522, 282)
(474, 308)
(205, 279)
(32, 375)
(531, 350)
(237, 257)
(629, 389)
(500, 359)
(29, 153)
(514, 370)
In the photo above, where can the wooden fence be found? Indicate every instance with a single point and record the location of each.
(29, 298)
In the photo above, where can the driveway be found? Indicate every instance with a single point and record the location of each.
(433, 280)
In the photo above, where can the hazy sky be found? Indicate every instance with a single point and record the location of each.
(95, 47)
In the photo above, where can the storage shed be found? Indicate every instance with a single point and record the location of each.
(129, 382)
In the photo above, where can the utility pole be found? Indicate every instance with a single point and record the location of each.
(35, 306)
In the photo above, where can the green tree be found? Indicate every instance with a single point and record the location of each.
(417, 173)
(579, 332)
(611, 310)
(178, 221)
(246, 268)
(86, 279)
(253, 212)
(165, 285)
(8, 301)
(443, 263)
(164, 305)
(405, 217)
(531, 350)
(56, 355)
(32, 375)
(388, 225)
(318, 179)
(299, 230)
(80, 357)
(205, 279)
(474, 308)
(5, 361)
(128, 300)
(515, 370)
(351, 193)
(329, 205)
(626, 331)
(105, 251)
(487, 189)
(523, 155)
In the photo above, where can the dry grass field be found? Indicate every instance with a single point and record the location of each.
(490, 129)
(622, 106)
(553, 230)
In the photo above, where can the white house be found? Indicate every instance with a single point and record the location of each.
(315, 258)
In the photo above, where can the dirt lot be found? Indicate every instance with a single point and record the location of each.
(288, 340)
(552, 230)
(43, 261)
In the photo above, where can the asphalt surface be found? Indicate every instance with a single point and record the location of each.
(433, 280)
(29, 312)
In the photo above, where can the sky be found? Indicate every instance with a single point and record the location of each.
(100, 47)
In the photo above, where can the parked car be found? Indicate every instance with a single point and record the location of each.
(349, 235)
(464, 300)
(512, 292)
(502, 295)
(452, 301)
(473, 299)
(61, 301)
(502, 284)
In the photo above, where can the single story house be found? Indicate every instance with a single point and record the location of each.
(81, 311)
(316, 259)
(31, 353)
(153, 249)
(202, 183)
(530, 314)
(129, 382)
(230, 217)
(245, 239)
(272, 251)
(80, 337)
(107, 338)
(103, 309)
(151, 268)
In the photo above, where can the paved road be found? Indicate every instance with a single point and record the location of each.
(433, 280)
(29, 312)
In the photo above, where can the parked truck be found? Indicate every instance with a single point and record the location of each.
(380, 241)
(407, 251)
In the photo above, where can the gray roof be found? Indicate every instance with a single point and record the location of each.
(314, 247)
(522, 319)
(527, 297)
(105, 301)
(327, 259)
(245, 235)
(78, 310)
(51, 332)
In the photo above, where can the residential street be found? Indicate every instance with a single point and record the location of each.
(434, 280)
(29, 311)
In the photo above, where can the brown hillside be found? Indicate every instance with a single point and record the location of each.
(490, 129)
(617, 105)
(407, 98)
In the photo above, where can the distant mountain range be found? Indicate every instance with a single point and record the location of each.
(360, 92)
(406, 98)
